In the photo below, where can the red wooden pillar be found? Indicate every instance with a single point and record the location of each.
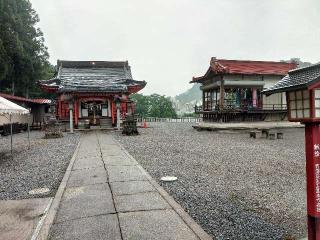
(254, 97)
(60, 108)
(76, 113)
(57, 109)
(312, 140)
(113, 111)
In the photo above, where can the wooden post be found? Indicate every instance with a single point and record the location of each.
(11, 132)
(254, 97)
(76, 113)
(118, 117)
(112, 112)
(60, 108)
(29, 131)
(221, 93)
(203, 100)
(71, 109)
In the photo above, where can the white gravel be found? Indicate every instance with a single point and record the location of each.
(43, 166)
(236, 187)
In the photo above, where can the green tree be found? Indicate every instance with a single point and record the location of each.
(23, 55)
(161, 106)
(142, 104)
(154, 105)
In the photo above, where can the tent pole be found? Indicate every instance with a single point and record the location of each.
(11, 132)
(29, 132)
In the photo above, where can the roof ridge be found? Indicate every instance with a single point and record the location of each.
(92, 63)
(304, 68)
(251, 61)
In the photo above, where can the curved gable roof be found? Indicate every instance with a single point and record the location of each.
(245, 67)
(92, 76)
(298, 78)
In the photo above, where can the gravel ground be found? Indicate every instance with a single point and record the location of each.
(234, 186)
(43, 166)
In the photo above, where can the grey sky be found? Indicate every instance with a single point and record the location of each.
(168, 41)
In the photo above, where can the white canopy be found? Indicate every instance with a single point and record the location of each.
(7, 107)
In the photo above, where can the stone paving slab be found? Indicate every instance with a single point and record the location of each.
(140, 202)
(85, 164)
(119, 161)
(125, 173)
(132, 187)
(89, 154)
(110, 144)
(160, 225)
(85, 201)
(112, 153)
(19, 218)
(111, 150)
(104, 227)
(87, 177)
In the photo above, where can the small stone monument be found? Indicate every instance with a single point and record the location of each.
(130, 126)
(53, 129)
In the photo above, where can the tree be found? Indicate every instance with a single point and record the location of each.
(142, 104)
(23, 55)
(154, 105)
(161, 106)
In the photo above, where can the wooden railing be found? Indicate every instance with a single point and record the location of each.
(243, 107)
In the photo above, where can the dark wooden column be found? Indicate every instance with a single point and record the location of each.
(203, 100)
(221, 93)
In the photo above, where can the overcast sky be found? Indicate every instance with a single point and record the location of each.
(167, 42)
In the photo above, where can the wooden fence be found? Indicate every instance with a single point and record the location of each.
(171, 120)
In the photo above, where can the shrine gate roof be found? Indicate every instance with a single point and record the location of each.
(92, 76)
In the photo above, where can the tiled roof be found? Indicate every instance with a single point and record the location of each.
(223, 66)
(298, 78)
(92, 76)
(28, 100)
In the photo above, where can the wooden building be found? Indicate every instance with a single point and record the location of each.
(302, 88)
(232, 90)
(94, 90)
(39, 110)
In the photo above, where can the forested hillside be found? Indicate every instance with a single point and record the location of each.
(193, 94)
(23, 54)
(154, 105)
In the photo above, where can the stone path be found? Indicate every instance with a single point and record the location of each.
(109, 196)
(19, 218)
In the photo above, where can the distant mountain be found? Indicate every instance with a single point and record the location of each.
(185, 102)
(190, 95)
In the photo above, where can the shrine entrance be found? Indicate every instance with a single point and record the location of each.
(94, 110)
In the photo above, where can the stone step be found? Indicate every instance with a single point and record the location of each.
(106, 123)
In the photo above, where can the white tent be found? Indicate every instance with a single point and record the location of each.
(8, 108)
